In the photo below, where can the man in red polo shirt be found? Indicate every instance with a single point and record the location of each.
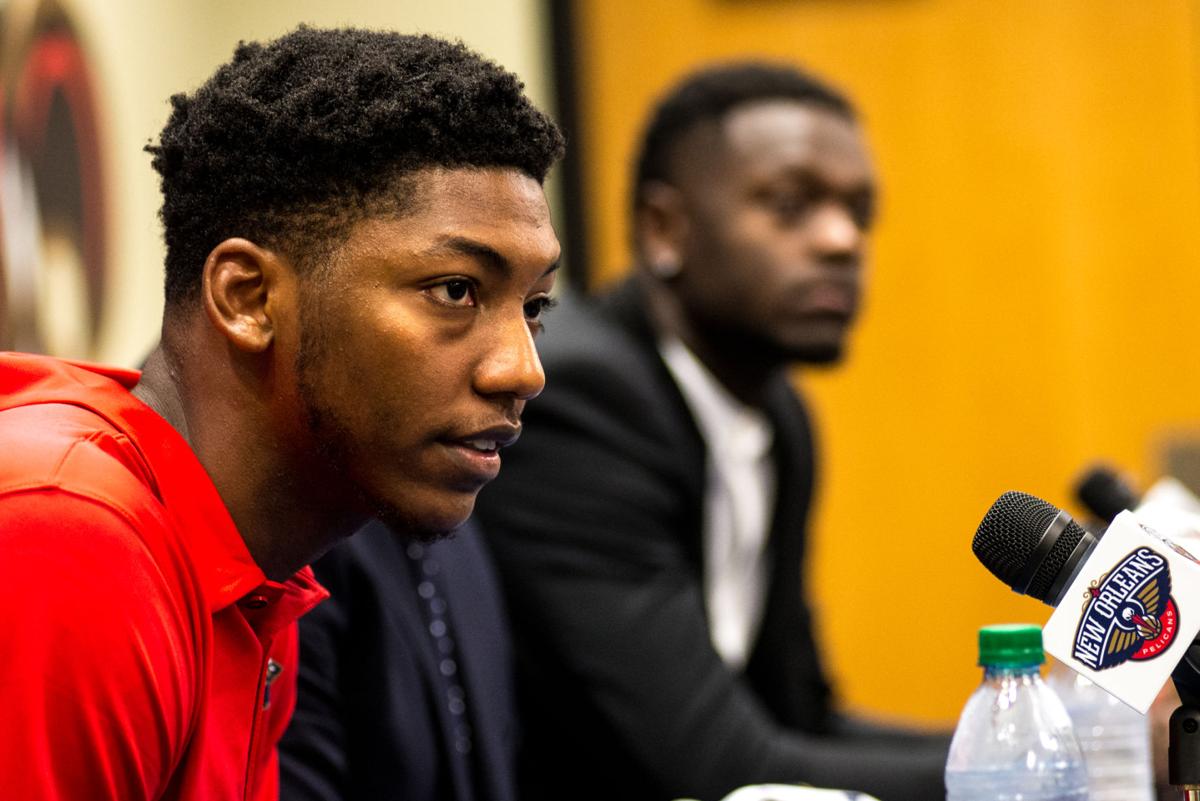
(358, 253)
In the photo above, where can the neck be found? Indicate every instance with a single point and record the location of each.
(285, 522)
(159, 389)
(745, 372)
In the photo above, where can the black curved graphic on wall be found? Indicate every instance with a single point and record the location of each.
(53, 224)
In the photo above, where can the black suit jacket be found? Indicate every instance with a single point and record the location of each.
(596, 526)
(372, 721)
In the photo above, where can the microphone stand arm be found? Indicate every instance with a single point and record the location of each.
(1183, 749)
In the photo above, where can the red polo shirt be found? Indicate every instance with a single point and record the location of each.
(143, 654)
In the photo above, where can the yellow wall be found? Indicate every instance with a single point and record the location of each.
(143, 51)
(1034, 287)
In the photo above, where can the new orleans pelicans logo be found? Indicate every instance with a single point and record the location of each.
(1128, 613)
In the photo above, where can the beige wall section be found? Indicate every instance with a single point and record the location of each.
(1034, 282)
(144, 51)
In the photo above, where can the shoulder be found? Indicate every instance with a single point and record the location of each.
(80, 566)
(103, 631)
(584, 335)
(610, 415)
(62, 448)
(82, 529)
(601, 366)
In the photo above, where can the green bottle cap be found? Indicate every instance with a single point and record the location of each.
(1011, 645)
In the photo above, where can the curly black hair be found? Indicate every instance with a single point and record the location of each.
(709, 94)
(293, 140)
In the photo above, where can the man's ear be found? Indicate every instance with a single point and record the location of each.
(660, 229)
(239, 280)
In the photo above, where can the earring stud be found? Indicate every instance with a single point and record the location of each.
(665, 269)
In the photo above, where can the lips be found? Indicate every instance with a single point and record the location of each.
(831, 298)
(489, 439)
(476, 456)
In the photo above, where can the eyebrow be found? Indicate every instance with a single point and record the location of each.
(866, 183)
(486, 254)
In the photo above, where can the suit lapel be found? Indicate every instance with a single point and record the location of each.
(785, 667)
(793, 456)
(626, 308)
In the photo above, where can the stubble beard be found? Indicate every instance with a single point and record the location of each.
(741, 343)
(334, 444)
(818, 354)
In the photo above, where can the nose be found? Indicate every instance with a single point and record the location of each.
(510, 364)
(835, 233)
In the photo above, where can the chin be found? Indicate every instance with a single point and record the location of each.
(822, 356)
(818, 353)
(426, 522)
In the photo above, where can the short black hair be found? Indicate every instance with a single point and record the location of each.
(709, 94)
(293, 140)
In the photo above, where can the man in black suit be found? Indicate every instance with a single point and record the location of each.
(650, 526)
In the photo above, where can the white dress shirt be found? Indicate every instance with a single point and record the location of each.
(739, 499)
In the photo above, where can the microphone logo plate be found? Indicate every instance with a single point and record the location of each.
(1128, 612)
(1140, 595)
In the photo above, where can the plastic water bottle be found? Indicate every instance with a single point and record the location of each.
(1014, 740)
(1114, 739)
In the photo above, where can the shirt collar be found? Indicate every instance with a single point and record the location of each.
(728, 426)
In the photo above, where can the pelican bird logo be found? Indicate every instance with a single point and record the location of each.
(1128, 613)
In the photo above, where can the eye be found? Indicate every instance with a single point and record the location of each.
(536, 307)
(789, 204)
(862, 208)
(455, 291)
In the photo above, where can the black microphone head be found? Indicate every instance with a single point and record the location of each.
(1104, 493)
(1008, 538)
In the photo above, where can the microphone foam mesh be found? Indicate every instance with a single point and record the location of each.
(1011, 531)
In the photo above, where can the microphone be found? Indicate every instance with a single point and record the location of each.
(1168, 506)
(1031, 546)
(1138, 592)
(1104, 493)
(1130, 616)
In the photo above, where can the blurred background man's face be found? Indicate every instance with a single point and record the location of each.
(779, 199)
